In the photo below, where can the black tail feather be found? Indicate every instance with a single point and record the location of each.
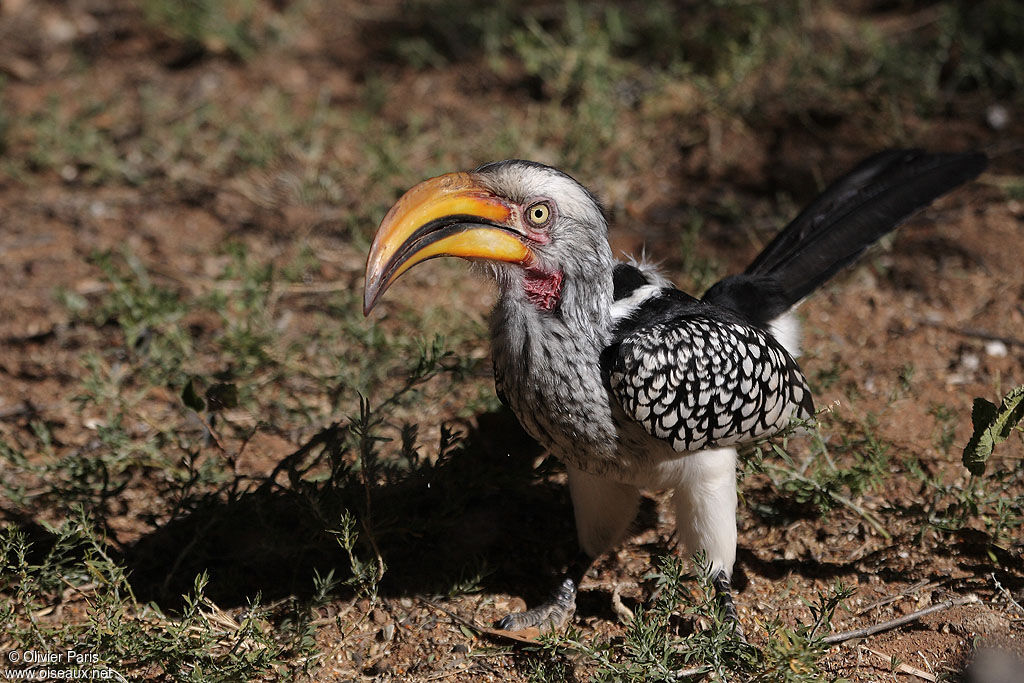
(857, 210)
(851, 215)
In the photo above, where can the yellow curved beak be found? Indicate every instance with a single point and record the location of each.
(450, 215)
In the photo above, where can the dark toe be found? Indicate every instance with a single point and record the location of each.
(507, 623)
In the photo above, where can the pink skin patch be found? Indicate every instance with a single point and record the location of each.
(538, 236)
(543, 289)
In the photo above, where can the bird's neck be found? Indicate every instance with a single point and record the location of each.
(543, 289)
(546, 361)
(585, 303)
(544, 305)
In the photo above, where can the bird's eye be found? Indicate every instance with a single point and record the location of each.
(539, 214)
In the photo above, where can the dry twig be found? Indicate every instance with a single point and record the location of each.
(902, 594)
(972, 332)
(903, 667)
(843, 636)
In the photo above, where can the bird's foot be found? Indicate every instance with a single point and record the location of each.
(723, 591)
(550, 616)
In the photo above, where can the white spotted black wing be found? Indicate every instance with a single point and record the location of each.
(701, 383)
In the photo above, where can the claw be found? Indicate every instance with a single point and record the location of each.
(551, 616)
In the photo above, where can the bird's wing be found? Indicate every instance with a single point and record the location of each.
(697, 382)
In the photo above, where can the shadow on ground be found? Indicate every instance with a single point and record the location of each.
(475, 517)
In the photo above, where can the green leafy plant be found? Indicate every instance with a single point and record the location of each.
(683, 635)
(828, 475)
(992, 425)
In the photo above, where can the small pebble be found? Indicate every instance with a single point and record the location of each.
(997, 116)
(996, 349)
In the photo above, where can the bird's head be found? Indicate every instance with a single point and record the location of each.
(536, 226)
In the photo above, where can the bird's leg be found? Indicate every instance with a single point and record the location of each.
(558, 608)
(723, 593)
(604, 510)
(705, 502)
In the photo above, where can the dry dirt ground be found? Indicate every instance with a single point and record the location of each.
(118, 136)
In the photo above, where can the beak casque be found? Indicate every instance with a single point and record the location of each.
(450, 215)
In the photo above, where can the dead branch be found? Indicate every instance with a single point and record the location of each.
(903, 667)
(920, 585)
(842, 637)
(972, 332)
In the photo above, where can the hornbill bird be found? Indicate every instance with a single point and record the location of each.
(630, 382)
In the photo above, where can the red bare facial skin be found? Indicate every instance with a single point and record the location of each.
(538, 236)
(544, 290)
